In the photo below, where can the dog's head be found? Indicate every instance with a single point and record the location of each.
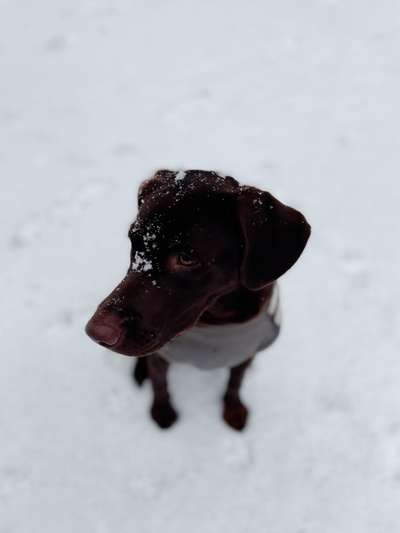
(197, 236)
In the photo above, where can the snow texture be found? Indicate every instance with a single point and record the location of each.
(299, 98)
(140, 263)
(180, 175)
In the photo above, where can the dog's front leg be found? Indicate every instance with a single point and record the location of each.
(235, 412)
(162, 410)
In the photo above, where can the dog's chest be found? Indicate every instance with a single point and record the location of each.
(209, 347)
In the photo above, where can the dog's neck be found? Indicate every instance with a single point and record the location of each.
(237, 306)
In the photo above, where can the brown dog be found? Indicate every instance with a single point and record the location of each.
(206, 253)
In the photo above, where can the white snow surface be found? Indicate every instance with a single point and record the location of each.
(298, 98)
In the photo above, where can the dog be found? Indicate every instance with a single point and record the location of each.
(201, 287)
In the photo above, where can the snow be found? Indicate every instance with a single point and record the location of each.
(180, 175)
(298, 98)
(140, 263)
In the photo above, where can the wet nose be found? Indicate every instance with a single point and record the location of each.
(106, 330)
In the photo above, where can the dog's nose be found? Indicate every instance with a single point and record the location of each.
(106, 330)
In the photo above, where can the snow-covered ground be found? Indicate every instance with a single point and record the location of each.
(300, 98)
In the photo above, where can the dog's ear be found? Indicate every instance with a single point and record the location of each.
(274, 237)
(151, 185)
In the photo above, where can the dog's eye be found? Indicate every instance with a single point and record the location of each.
(187, 259)
(182, 261)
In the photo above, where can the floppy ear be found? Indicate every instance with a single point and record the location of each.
(274, 237)
(151, 185)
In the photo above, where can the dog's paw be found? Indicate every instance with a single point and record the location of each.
(164, 414)
(236, 414)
